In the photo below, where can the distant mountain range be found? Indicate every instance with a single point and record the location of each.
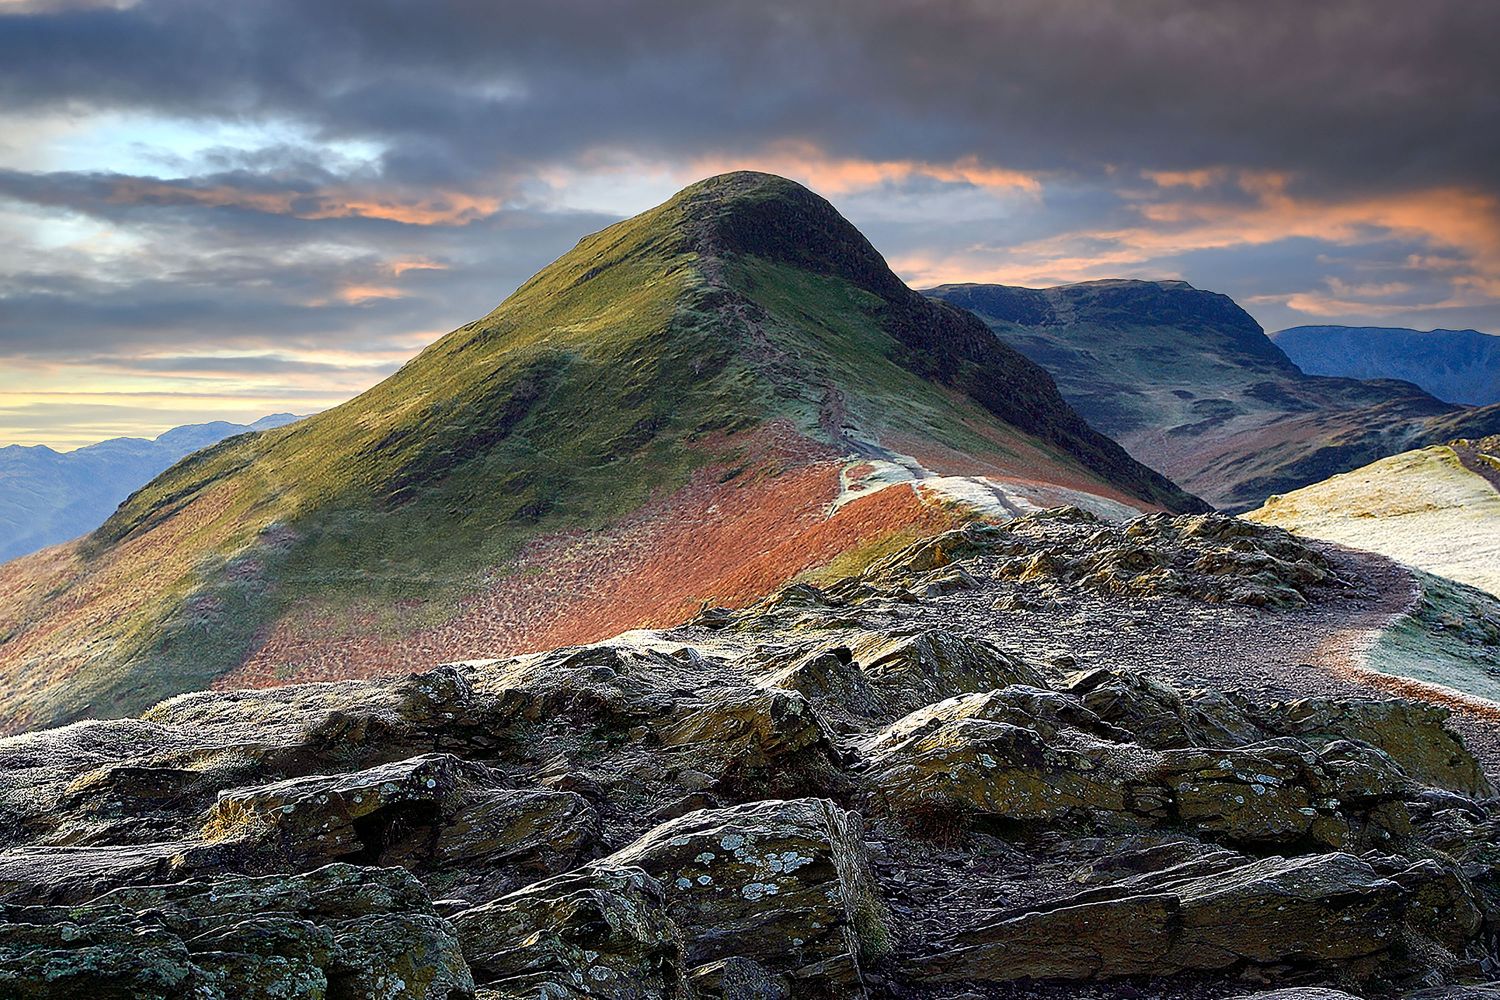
(694, 405)
(48, 497)
(1188, 382)
(1460, 366)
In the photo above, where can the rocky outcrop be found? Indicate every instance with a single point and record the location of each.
(1213, 914)
(341, 931)
(1024, 756)
(927, 666)
(1411, 733)
(602, 931)
(1212, 558)
(838, 793)
(433, 813)
(785, 884)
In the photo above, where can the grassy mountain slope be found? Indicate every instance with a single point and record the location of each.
(1188, 382)
(1461, 366)
(1435, 508)
(48, 497)
(716, 357)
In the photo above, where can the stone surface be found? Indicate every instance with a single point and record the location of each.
(340, 931)
(926, 666)
(602, 931)
(1319, 909)
(1410, 732)
(784, 883)
(434, 813)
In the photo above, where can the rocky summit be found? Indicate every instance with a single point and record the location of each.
(1058, 757)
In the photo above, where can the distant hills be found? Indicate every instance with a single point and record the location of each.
(694, 405)
(1435, 508)
(1460, 366)
(48, 497)
(1189, 383)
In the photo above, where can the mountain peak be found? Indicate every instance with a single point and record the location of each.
(763, 215)
(701, 373)
(1162, 284)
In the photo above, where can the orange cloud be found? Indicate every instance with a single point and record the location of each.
(1463, 223)
(400, 267)
(1196, 179)
(840, 175)
(355, 294)
(446, 208)
(441, 208)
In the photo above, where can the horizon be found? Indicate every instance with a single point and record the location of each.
(206, 218)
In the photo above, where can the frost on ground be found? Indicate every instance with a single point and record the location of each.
(1427, 508)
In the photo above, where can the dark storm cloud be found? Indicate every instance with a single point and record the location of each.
(359, 174)
(1374, 93)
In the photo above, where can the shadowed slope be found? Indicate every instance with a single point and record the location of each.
(1188, 382)
(738, 333)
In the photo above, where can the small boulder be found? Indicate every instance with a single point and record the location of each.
(354, 932)
(602, 931)
(911, 670)
(783, 883)
(1412, 733)
(431, 813)
(1333, 909)
(1157, 714)
(104, 952)
(827, 676)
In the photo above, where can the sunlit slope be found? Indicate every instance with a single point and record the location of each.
(722, 352)
(1431, 508)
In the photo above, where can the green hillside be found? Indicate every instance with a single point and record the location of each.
(603, 381)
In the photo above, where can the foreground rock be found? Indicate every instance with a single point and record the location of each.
(341, 931)
(786, 884)
(602, 931)
(837, 793)
(1220, 912)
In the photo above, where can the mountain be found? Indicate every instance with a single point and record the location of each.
(1435, 508)
(48, 497)
(1461, 366)
(697, 403)
(1188, 382)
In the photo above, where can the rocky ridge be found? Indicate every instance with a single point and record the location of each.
(832, 793)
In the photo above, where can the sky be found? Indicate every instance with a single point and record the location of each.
(222, 210)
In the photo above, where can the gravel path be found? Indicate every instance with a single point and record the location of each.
(1277, 653)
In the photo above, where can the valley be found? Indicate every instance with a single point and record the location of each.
(1188, 382)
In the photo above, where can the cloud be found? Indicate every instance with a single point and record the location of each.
(180, 179)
